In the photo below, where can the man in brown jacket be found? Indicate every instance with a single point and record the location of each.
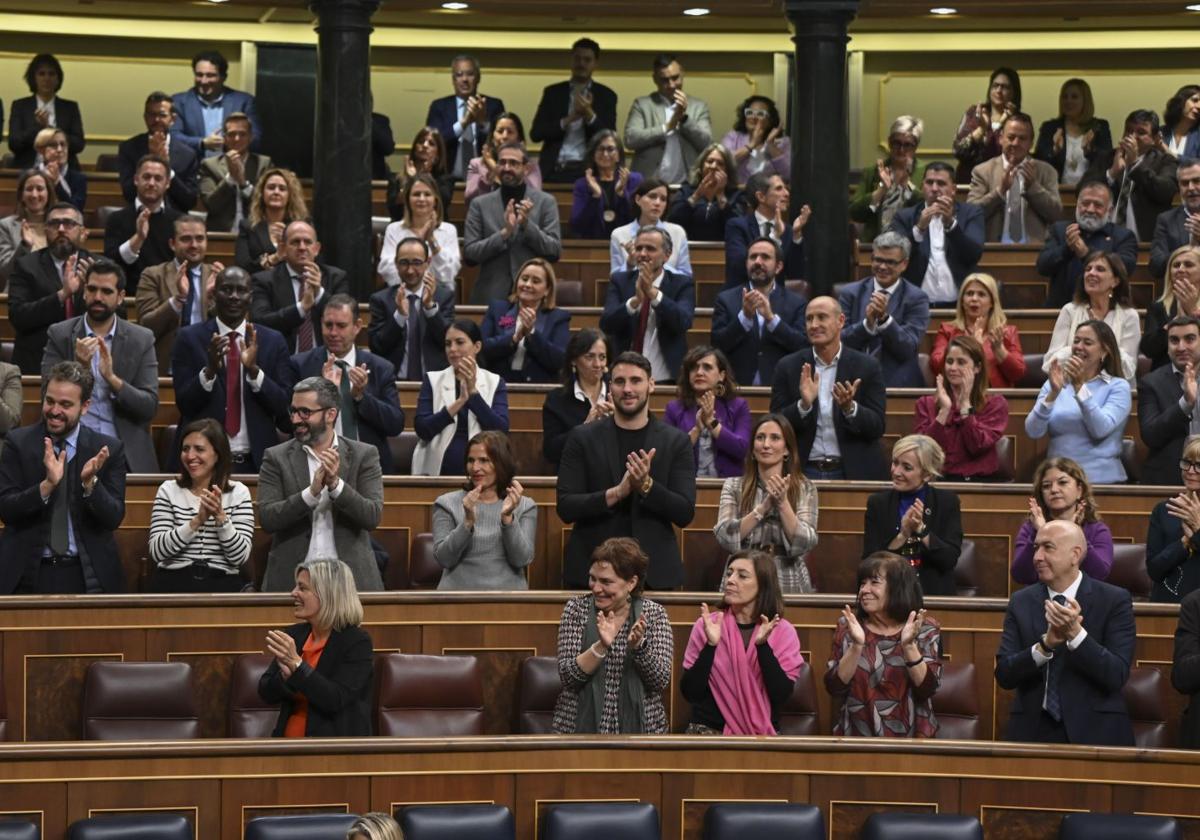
(178, 292)
(1018, 195)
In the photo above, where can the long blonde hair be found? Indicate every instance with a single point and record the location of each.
(1168, 295)
(297, 207)
(996, 318)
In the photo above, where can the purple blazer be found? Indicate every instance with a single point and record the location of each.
(587, 211)
(1097, 563)
(729, 449)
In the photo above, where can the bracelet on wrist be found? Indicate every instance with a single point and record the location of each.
(594, 652)
(915, 663)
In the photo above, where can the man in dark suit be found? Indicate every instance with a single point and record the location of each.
(45, 287)
(834, 398)
(1167, 403)
(227, 181)
(628, 475)
(759, 323)
(1066, 649)
(382, 145)
(412, 316)
(233, 371)
(122, 361)
(570, 113)
(1141, 173)
(370, 406)
(291, 297)
(465, 119)
(44, 108)
(649, 309)
(139, 235)
(159, 115)
(1061, 257)
(768, 197)
(203, 108)
(886, 316)
(947, 237)
(62, 494)
(1180, 225)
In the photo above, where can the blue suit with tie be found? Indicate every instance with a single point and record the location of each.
(674, 314)
(740, 232)
(755, 352)
(895, 342)
(545, 347)
(443, 114)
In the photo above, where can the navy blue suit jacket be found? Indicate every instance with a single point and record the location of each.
(1063, 266)
(545, 349)
(555, 103)
(23, 128)
(185, 182)
(378, 413)
(189, 122)
(443, 114)
(78, 184)
(895, 346)
(266, 410)
(748, 352)
(1090, 678)
(390, 340)
(964, 244)
(740, 231)
(674, 314)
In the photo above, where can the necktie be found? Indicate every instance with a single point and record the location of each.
(466, 149)
(59, 535)
(69, 303)
(1016, 219)
(189, 305)
(768, 229)
(1123, 199)
(639, 337)
(414, 338)
(1053, 704)
(304, 334)
(349, 418)
(233, 387)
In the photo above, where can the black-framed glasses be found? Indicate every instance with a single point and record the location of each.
(886, 261)
(1189, 466)
(65, 224)
(410, 263)
(304, 413)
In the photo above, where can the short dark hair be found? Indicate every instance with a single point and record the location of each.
(903, 586)
(105, 266)
(757, 183)
(667, 244)
(1091, 184)
(650, 184)
(214, 433)
(1184, 321)
(159, 159)
(940, 166)
(770, 594)
(212, 57)
(327, 393)
(343, 301)
(587, 44)
(662, 61)
(580, 342)
(1021, 117)
(42, 60)
(775, 245)
(73, 373)
(515, 144)
(64, 205)
(632, 357)
(739, 117)
(499, 449)
(626, 557)
(410, 239)
(237, 116)
(468, 327)
(1144, 115)
(1185, 162)
(683, 385)
(159, 96)
(188, 219)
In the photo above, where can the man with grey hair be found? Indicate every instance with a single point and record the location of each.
(649, 309)
(886, 315)
(466, 117)
(1181, 225)
(1067, 243)
(319, 494)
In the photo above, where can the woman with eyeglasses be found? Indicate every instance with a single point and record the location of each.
(709, 198)
(70, 184)
(757, 141)
(602, 199)
(888, 186)
(978, 137)
(1173, 538)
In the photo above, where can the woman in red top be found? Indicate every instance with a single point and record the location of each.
(961, 415)
(321, 673)
(980, 316)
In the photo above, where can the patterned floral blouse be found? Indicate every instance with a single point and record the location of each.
(879, 699)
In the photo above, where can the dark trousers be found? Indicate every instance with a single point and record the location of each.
(1050, 731)
(191, 579)
(56, 579)
(559, 174)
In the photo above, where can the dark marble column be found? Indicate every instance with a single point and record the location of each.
(820, 141)
(342, 138)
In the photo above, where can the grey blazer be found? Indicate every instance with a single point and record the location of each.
(219, 195)
(499, 258)
(283, 512)
(645, 136)
(136, 362)
(12, 246)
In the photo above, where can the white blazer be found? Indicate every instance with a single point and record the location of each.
(427, 457)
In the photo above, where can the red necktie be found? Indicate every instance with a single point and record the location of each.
(639, 337)
(233, 387)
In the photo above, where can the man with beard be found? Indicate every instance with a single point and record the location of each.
(1017, 194)
(655, 481)
(46, 286)
(62, 495)
(649, 309)
(202, 108)
(947, 237)
(1067, 243)
(1166, 408)
(570, 114)
(159, 115)
(768, 196)
(139, 235)
(1141, 173)
(232, 371)
(508, 226)
(121, 359)
(1181, 225)
(319, 494)
(177, 293)
(759, 323)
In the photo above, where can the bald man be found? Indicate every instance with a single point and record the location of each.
(835, 399)
(1066, 650)
(291, 296)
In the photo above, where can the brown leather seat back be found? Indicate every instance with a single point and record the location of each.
(956, 702)
(1129, 570)
(429, 696)
(799, 714)
(424, 572)
(3, 711)
(1146, 698)
(249, 715)
(966, 571)
(139, 701)
(538, 692)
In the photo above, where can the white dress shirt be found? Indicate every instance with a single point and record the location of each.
(650, 348)
(321, 544)
(239, 443)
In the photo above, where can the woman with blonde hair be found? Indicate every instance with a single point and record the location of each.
(70, 184)
(525, 337)
(425, 219)
(1181, 296)
(277, 201)
(888, 186)
(1072, 140)
(1061, 490)
(980, 315)
(914, 519)
(375, 826)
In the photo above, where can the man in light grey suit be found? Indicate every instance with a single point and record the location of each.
(227, 181)
(122, 359)
(667, 130)
(508, 226)
(319, 494)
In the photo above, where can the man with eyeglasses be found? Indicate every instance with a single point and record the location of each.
(409, 321)
(570, 113)
(159, 116)
(227, 181)
(667, 129)
(45, 287)
(320, 494)
(233, 371)
(886, 316)
(1167, 411)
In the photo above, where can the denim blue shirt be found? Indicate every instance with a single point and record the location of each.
(1086, 427)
